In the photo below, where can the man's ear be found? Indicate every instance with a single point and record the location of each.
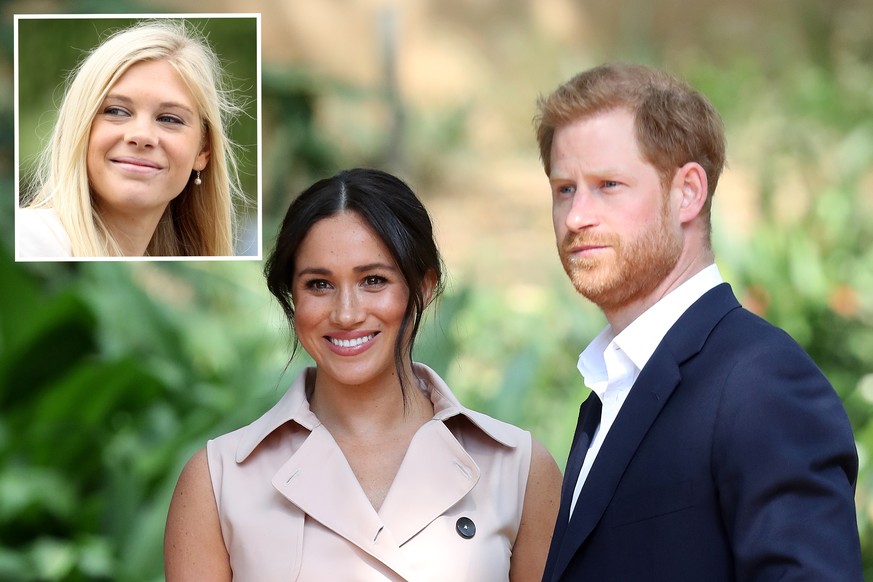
(691, 183)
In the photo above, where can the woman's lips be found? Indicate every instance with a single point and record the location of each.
(137, 165)
(351, 344)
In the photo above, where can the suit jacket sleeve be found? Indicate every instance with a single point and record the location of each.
(785, 465)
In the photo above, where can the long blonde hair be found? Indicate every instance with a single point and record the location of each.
(201, 220)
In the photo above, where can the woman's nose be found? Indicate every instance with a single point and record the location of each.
(141, 133)
(347, 309)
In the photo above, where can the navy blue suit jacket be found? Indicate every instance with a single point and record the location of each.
(731, 459)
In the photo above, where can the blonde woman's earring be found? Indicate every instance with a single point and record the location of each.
(197, 180)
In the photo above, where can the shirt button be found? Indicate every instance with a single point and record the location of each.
(465, 527)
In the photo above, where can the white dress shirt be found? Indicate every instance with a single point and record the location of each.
(611, 363)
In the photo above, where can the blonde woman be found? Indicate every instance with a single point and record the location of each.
(139, 162)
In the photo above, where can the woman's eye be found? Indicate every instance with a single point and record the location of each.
(170, 119)
(317, 285)
(375, 281)
(115, 111)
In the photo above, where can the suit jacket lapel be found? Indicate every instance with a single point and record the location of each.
(650, 392)
(585, 426)
(637, 414)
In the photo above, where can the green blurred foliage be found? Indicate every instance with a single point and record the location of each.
(112, 374)
(808, 266)
(103, 402)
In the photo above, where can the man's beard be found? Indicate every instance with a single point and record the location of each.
(635, 268)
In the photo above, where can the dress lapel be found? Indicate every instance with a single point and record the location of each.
(319, 480)
(435, 474)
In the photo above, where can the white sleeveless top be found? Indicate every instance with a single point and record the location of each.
(291, 508)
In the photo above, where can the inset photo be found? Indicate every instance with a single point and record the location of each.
(137, 137)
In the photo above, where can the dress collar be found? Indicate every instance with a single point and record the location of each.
(294, 407)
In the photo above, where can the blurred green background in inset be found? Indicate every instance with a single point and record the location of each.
(113, 374)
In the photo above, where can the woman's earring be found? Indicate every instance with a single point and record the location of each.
(197, 180)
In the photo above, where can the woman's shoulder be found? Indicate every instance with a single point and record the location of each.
(39, 234)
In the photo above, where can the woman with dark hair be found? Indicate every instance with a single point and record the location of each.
(369, 468)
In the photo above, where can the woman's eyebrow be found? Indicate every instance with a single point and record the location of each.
(372, 266)
(163, 105)
(358, 269)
